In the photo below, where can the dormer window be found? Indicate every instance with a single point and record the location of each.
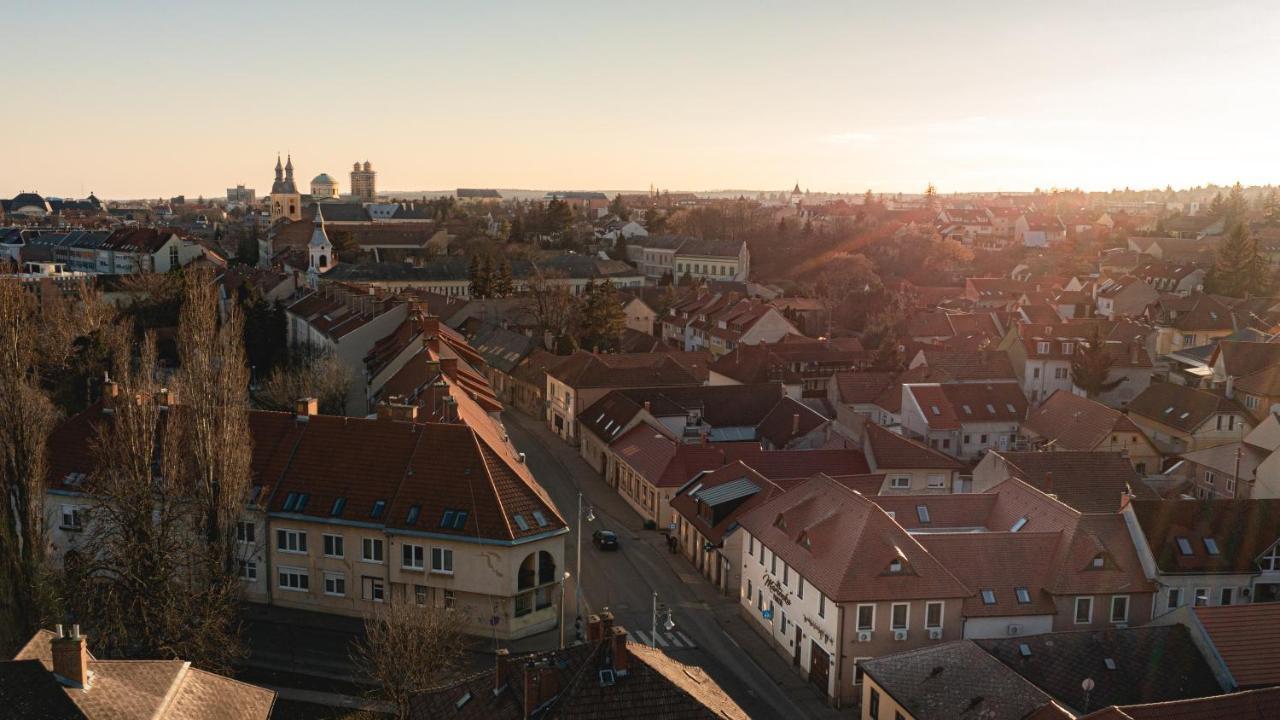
(1042, 348)
(780, 522)
(895, 566)
(805, 543)
(1099, 561)
(1066, 348)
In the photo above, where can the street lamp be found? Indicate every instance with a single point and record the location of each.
(566, 580)
(668, 624)
(577, 588)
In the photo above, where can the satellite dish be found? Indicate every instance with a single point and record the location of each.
(1087, 684)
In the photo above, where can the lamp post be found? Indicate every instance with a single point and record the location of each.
(566, 580)
(577, 587)
(667, 624)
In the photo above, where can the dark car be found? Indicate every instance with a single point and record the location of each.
(605, 539)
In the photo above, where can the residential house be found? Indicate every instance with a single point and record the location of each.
(713, 259)
(1166, 277)
(1203, 553)
(1181, 419)
(55, 676)
(803, 365)
(963, 420)
(744, 322)
(909, 466)
(1186, 322)
(1069, 422)
(528, 380)
(1039, 230)
(1253, 705)
(582, 378)
(1042, 354)
(1089, 481)
(853, 395)
(1252, 369)
(1123, 296)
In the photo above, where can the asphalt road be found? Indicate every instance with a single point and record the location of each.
(625, 581)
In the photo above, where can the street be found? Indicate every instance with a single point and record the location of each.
(625, 581)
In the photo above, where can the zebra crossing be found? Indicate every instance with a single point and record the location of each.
(675, 639)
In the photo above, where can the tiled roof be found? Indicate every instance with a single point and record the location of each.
(888, 450)
(1089, 481)
(1243, 358)
(1251, 705)
(1240, 531)
(1152, 664)
(950, 406)
(952, 680)
(861, 388)
(717, 405)
(752, 489)
(972, 365)
(1002, 563)
(1074, 422)
(843, 544)
(1247, 637)
(788, 420)
(1180, 406)
(588, 370)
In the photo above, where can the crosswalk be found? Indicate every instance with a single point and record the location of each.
(674, 639)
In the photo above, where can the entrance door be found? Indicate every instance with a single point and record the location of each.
(796, 659)
(818, 667)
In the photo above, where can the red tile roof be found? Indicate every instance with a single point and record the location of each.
(887, 450)
(950, 406)
(787, 421)
(1252, 705)
(1247, 637)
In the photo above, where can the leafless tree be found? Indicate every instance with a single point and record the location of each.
(551, 303)
(26, 418)
(408, 648)
(323, 376)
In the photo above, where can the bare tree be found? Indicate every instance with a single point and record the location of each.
(26, 418)
(323, 376)
(551, 303)
(408, 648)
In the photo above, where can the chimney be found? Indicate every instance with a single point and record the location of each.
(1048, 485)
(306, 407)
(618, 649)
(71, 658)
(595, 629)
(430, 326)
(532, 689)
(648, 407)
(1133, 353)
(449, 366)
(549, 679)
(503, 658)
(795, 424)
(404, 412)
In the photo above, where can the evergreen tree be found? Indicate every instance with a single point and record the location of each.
(1238, 267)
(1234, 207)
(503, 284)
(602, 319)
(481, 273)
(1091, 366)
(558, 217)
(619, 208)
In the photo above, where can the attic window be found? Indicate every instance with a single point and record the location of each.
(302, 502)
(1024, 650)
(967, 410)
(1184, 545)
(805, 542)
(1019, 524)
(895, 566)
(338, 505)
(289, 501)
(447, 520)
(412, 517)
(1211, 546)
(1023, 595)
(922, 511)
(935, 409)
(991, 408)
(520, 522)
(466, 698)
(1110, 663)
(379, 506)
(1009, 406)
(988, 596)
(1098, 561)
(1183, 416)
(459, 519)
(540, 518)
(780, 522)
(1168, 410)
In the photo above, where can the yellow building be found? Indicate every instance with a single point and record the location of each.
(286, 201)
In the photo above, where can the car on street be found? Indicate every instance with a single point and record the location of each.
(605, 539)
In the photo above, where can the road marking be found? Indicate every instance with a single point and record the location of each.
(644, 639)
(657, 637)
(686, 639)
(676, 641)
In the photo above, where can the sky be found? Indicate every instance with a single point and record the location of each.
(146, 99)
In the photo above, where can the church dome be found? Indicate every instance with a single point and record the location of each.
(322, 178)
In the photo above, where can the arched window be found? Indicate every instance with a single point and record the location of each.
(528, 575)
(324, 261)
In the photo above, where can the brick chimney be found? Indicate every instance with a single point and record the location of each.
(1048, 485)
(71, 658)
(532, 688)
(500, 676)
(306, 407)
(648, 407)
(595, 632)
(449, 366)
(430, 326)
(618, 650)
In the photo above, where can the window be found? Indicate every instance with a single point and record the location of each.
(374, 589)
(800, 586)
(822, 605)
(72, 518)
(1188, 340)
(933, 615)
(1059, 373)
(1023, 595)
(895, 566)
(1184, 545)
(335, 584)
(291, 541)
(866, 617)
(1211, 546)
(295, 579)
(922, 512)
(873, 706)
(333, 546)
(450, 600)
(1019, 524)
(441, 560)
(1201, 597)
(762, 552)
(420, 595)
(1251, 402)
(773, 564)
(1174, 598)
(1035, 373)
(751, 545)
(1084, 610)
(1209, 478)
(371, 550)
(900, 482)
(1042, 348)
(248, 570)
(246, 532)
(786, 574)
(379, 506)
(1271, 561)
(1119, 608)
(1067, 348)
(988, 596)
(411, 557)
(1226, 596)
(1099, 561)
(937, 481)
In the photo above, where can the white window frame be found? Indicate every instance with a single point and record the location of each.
(248, 570)
(1111, 608)
(298, 538)
(302, 575)
(937, 482)
(1075, 610)
(942, 614)
(371, 543)
(246, 530)
(442, 560)
(412, 556)
(1270, 560)
(906, 618)
(75, 514)
(377, 587)
(857, 618)
(900, 482)
(334, 542)
(1195, 597)
(329, 577)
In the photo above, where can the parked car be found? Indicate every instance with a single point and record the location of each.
(605, 539)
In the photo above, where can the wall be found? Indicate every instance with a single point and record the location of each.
(998, 627)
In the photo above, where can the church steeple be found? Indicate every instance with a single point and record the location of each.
(279, 169)
(288, 168)
(319, 248)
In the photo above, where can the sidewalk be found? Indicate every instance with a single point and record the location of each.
(316, 697)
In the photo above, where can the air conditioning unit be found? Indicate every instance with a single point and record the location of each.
(1014, 629)
(935, 633)
(864, 636)
(899, 635)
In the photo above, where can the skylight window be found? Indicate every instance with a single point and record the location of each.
(520, 522)
(895, 566)
(1183, 416)
(935, 409)
(1110, 663)
(988, 596)
(967, 410)
(1023, 595)
(1019, 524)
(412, 517)
(459, 519)
(447, 520)
(1211, 546)
(379, 506)
(540, 518)
(289, 501)
(302, 502)
(1024, 650)
(1098, 561)
(1184, 545)
(991, 408)
(1168, 410)
(922, 511)
(338, 505)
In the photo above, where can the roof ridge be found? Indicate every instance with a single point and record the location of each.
(171, 693)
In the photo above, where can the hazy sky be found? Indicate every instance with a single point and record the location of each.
(133, 99)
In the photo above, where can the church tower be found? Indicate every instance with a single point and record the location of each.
(286, 201)
(320, 249)
(363, 182)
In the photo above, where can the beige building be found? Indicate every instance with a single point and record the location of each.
(285, 200)
(364, 182)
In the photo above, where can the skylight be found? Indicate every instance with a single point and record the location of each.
(302, 502)
(379, 506)
(935, 409)
(988, 596)
(338, 505)
(1010, 407)
(991, 408)
(1168, 410)
(1110, 663)
(1018, 524)
(895, 566)
(1211, 546)
(922, 511)
(967, 410)
(520, 522)
(540, 518)
(289, 501)
(447, 520)
(1184, 545)
(412, 517)
(1024, 650)
(459, 519)
(1024, 597)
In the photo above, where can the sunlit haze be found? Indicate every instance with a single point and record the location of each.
(150, 99)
